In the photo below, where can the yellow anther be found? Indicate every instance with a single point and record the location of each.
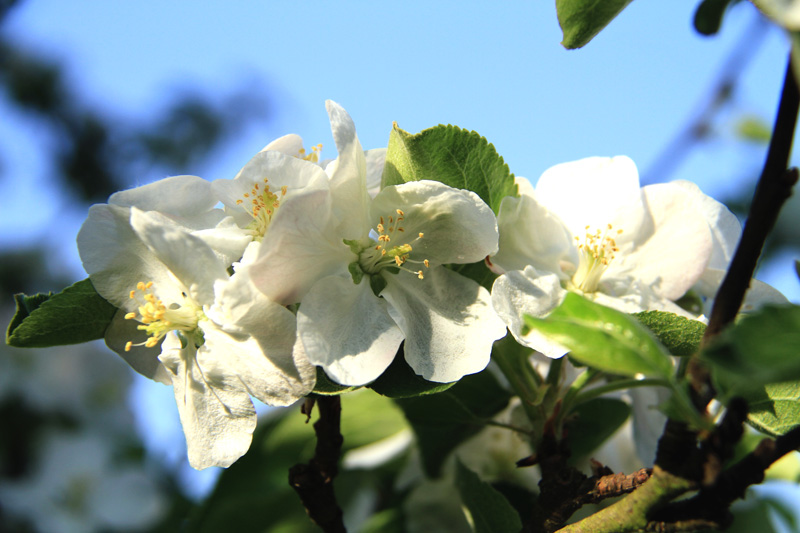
(128, 346)
(129, 316)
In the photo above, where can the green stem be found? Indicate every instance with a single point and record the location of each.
(622, 384)
(630, 513)
(522, 382)
(580, 382)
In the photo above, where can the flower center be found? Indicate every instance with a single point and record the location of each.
(158, 319)
(596, 252)
(261, 203)
(312, 156)
(381, 253)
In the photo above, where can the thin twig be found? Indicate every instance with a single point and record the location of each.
(313, 482)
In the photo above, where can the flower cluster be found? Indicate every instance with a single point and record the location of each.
(311, 263)
(204, 292)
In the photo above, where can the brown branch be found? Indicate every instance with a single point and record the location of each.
(594, 490)
(711, 503)
(773, 189)
(313, 482)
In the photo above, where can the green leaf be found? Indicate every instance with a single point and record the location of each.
(678, 334)
(459, 158)
(75, 315)
(490, 511)
(443, 421)
(592, 422)
(603, 338)
(400, 381)
(709, 14)
(775, 408)
(759, 349)
(581, 20)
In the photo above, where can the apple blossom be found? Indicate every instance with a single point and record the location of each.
(589, 228)
(187, 322)
(369, 273)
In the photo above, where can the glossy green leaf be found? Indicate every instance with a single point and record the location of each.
(603, 338)
(400, 381)
(459, 158)
(760, 348)
(709, 14)
(75, 315)
(592, 422)
(443, 421)
(678, 334)
(490, 511)
(581, 20)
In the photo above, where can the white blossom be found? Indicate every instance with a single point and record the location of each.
(185, 321)
(369, 273)
(589, 228)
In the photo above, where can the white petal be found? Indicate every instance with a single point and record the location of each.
(216, 413)
(457, 226)
(530, 234)
(265, 359)
(142, 359)
(648, 421)
(115, 257)
(758, 295)
(290, 144)
(347, 330)
(448, 321)
(376, 158)
(279, 169)
(677, 246)
(527, 292)
(178, 196)
(301, 247)
(595, 191)
(725, 227)
(190, 259)
(348, 175)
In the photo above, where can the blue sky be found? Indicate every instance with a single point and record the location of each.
(495, 68)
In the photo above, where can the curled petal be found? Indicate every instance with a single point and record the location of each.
(348, 175)
(527, 292)
(531, 234)
(457, 226)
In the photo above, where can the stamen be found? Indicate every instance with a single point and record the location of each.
(158, 319)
